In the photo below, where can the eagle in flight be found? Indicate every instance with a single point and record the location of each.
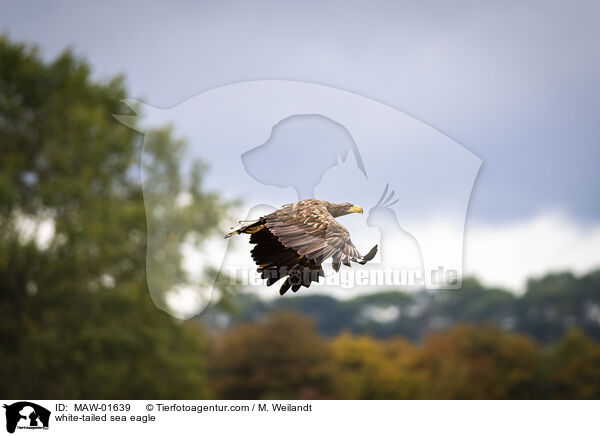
(294, 240)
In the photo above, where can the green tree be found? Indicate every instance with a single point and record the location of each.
(76, 319)
(480, 362)
(575, 367)
(555, 302)
(368, 369)
(280, 356)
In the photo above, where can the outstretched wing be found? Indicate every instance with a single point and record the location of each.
(313, 233)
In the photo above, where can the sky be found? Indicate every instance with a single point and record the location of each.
(516, 83)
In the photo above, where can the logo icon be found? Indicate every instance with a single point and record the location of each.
(26, 415)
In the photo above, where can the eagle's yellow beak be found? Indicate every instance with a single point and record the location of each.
(355, 209)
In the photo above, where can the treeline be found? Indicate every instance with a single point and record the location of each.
(283, 356)
(549, 307)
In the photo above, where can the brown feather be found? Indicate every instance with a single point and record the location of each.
(295, 240)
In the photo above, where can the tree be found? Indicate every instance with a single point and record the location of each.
(575, 367)
(480, 362)
(366, 368)
(76, 320)
(555, 302)
(281, 356)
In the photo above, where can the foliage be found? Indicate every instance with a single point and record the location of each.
(557, 302)
(469, 362)
(575, 367)
(74, 303)
(281, 356)
(369, 369)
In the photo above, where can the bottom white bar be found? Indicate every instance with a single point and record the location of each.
(299, 417)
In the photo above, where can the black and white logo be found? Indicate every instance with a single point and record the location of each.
(26, 415)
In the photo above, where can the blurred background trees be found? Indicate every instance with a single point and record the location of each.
(550, 306)
(77, 320)
(281, 356)
(476, 362)
(366, 368)
(574, 364)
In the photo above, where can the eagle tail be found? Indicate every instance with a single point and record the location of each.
(249, 228)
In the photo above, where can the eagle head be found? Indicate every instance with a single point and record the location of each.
(340, 209)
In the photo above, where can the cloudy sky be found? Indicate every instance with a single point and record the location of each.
(517, 83)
